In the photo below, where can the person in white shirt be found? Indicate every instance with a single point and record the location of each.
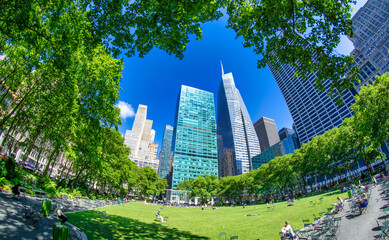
(287, 230)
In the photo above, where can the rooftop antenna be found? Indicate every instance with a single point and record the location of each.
(222, 67)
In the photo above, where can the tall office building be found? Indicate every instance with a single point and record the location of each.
(371, 40)
(267, 132)
(194, 136)
(285, 146)
(141, 140)
(237, 140)
(313, 112)
(165, 155)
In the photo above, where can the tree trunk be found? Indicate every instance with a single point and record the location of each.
(63, 169)
(49, 160)
(69, 169)
(29, 148)
(53, 163)
(37, 159)
(78, 175)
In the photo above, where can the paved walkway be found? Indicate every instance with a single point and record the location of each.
(354, 226)
(14, 225)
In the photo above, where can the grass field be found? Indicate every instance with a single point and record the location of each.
(137, 221)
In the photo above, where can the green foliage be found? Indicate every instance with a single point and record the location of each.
(29, 191)
(3, 182)
(77, 192)
(295, 32)
(49, 186)
(3, 170)
(30, 179)
(11, 169)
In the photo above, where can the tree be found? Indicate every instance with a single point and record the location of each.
(371, 110)
(296, 32)
(313, 28)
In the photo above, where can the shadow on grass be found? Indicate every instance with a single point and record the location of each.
(116, 227)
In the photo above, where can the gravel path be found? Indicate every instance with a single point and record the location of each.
(14, 225)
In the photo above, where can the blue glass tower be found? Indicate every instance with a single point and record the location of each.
(194, 136)
(166, 152)
(237, 139)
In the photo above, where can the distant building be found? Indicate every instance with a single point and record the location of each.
(371, 40)
(284, 133)
(165, 155)
(286, 146)
(141, 140)
(267, 132)
(237, 140)
(194, 136)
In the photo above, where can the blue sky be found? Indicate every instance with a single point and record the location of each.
(155, 80)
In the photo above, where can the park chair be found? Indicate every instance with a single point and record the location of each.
(321, 200)
(233, 237)
(306, 223)
(223, 236)
(302, 234)
(384, 228)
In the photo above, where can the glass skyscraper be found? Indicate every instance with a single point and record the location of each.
(194, 136)
(165, 155)
(237, 139)
(371, 40)
(313, 112)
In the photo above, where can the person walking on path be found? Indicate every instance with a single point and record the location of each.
(363, 203)
(374, 181)
(16, 191)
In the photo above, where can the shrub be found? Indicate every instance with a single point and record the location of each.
(3, 181)
(11, 168)
(6, 187)
(29, 191)
(30, 179)
(76, 192)
(49, 186)
(3, 170)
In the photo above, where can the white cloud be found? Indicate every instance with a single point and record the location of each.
(126, 110)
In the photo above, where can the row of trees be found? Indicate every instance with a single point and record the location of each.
(332, 155)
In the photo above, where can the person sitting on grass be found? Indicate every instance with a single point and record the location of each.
(363, 203)
(287, 231)
(60, 215)
(16, 191)
(159, 215)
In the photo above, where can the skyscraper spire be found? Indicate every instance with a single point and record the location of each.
(222, 67)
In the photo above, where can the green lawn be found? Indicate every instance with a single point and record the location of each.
(137, 221)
